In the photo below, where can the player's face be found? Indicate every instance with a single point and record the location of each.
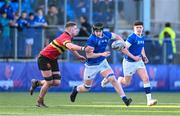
(74, 30)
(138, 29)
(98, 33)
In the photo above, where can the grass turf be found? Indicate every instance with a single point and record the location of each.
(87, 104)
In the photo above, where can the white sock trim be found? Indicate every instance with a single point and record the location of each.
(148, 97)
(147, 85)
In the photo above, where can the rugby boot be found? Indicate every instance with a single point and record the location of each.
(34, 85)
(73, 94)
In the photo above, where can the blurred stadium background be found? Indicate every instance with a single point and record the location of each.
(22, 37)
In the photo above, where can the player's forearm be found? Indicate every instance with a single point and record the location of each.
(75, 53)
(74, 47)
(143, 53)
(93, 55)
(117, 37)
(126, 51)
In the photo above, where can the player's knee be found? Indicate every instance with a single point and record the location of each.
(145, 79)
(56, 83)
(112, 79)
(49, 80)
(56, 79)
(87, 87)
(126, 83)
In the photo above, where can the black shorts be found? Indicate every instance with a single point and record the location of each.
(45, 64)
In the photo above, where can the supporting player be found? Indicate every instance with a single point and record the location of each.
(48, 64)
(135, 45)
(97, 63)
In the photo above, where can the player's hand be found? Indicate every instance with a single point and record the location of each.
(89, 49)
(106, 54)
(137, 58)
(81, 58)
(124, 50)
(145, 59)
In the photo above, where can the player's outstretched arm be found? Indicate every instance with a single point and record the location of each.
(79, 57)
(75, 47)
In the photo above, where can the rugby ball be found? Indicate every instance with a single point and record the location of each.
(117, 45)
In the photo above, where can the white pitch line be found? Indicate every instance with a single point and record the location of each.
(131, 106)
(141, 103)
(29, 114)
(101, 106)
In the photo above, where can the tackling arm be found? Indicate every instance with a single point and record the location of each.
(74, 47)
(76, 53)
(79, 57)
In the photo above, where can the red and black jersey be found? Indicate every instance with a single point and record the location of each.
(57, 46)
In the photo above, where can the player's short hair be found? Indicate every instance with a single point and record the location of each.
(167, 24)
(97, 26)
(70, 24)
(138, 23)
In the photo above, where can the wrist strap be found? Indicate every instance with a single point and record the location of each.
(83, 48)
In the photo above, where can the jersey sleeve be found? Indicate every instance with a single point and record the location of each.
(91, 41)
(130, 39)
(63, 40)
(108, 34)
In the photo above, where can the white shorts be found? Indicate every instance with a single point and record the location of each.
(91, 71)
(129, 68)
(29, 41)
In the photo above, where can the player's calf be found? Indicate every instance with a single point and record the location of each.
(107, 79)
(40, 103)
(123, 81)
(34, 85)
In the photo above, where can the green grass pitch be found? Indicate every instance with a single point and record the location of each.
(88, 104)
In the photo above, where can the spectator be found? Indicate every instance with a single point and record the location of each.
(29, 41)
(107, 8)
(40, 23)
(85, 29)
(22, 21)
(7, 8)
(31, 21)
(5, 35)
(152, 45)
(15, 18)
(168, 33)
(125, 35)
(97, 14)
(81, 8)
(52, 19)
(52, 16)
(22, 25)
(40, 19)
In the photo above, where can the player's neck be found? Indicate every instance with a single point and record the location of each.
(138, 34)
(68, 33)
